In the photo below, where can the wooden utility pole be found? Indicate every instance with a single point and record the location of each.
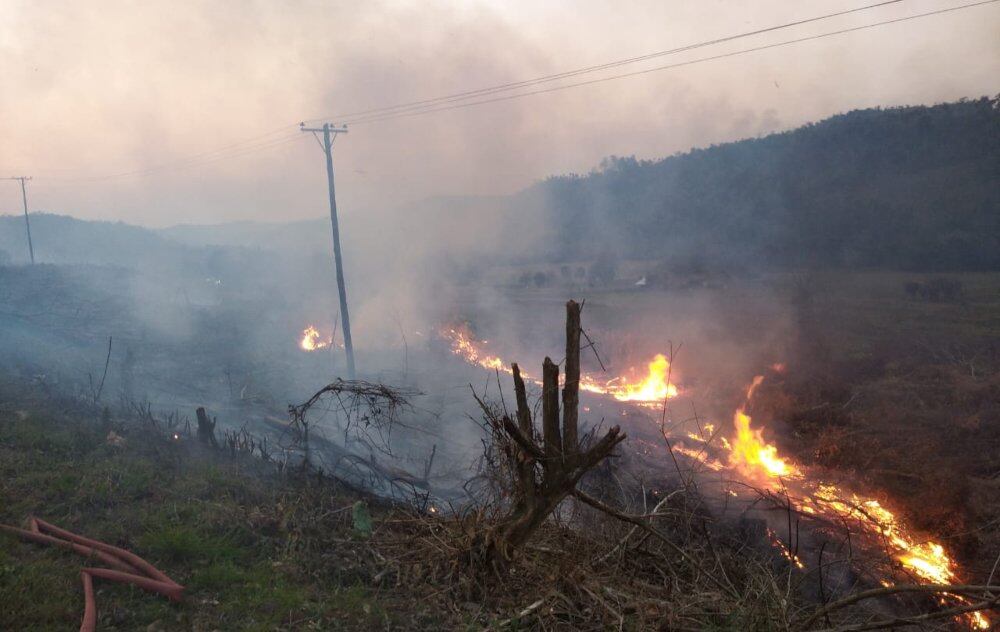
(27, 224)
(329, 136)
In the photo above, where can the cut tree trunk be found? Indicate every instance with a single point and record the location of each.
(538, 491)
(206, 428)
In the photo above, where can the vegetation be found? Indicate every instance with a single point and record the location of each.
(913, 188)
(255, 552)
(259, 551)
(900, 390)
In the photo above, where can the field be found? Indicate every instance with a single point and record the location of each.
(882, 382)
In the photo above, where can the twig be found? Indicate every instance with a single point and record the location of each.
(611, 511)
(524, 613)
(902, 588)
(917, 620)
(628, 535)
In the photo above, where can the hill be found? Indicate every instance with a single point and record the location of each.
(907, 188)
(913, 188)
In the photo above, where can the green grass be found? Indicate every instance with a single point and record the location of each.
(250, 547)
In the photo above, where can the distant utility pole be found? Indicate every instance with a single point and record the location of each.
(27, 224)
(329, 135)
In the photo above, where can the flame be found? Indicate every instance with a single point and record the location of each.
(785, 552)
(654, 387)
(751, 454)
(926, 560)
(310, 340)
(651, 389)
(749, 451)
(699, 455)
(464, 346)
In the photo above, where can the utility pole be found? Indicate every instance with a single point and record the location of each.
(27, 224)
(329, 136)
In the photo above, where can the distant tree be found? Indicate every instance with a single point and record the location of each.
(603, 269)
(4, 258)
(937, 290)
(907, 188)
(541, 279)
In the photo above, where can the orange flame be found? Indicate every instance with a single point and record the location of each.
(464, 346)
(654, 387)
(310, 340)
(650, 389)
(749, 450)
(750, 453)
(927, 560)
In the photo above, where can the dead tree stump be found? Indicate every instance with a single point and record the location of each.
(548, 472)
(206, 428)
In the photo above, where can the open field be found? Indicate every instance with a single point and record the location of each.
(883, 381)
(255, 551)
(892, 390)
(261, 551)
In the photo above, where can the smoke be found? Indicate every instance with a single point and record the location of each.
(123, 87)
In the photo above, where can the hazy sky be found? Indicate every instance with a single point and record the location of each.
(99, 88)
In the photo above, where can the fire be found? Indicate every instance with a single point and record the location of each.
(926, 560)
(464, 346)
(311, 341)
(651, 389)
(787, 554)
(655, 387)
(749, 451)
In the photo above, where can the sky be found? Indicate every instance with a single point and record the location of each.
(159, 113)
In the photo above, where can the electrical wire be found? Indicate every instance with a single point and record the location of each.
(256, 143)
(407, 114)
(459, 96)
(461, 100)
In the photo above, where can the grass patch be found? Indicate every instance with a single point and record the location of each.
(236, 535)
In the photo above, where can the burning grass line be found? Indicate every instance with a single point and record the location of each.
(919, 619)
(821, 503)
(944, 589)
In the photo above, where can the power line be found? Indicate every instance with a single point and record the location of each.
(461, 96)
(256, 143)
(419, 112)
(459, 100)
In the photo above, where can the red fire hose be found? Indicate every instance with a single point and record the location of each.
(127, 568)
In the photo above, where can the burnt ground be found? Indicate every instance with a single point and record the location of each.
(896, 389)
(901, 391)
(889, 380)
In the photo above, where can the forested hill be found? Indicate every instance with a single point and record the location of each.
(913, 188)
(905, 188)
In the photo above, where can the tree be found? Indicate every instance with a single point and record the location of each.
(603, 269)
(546, 471)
